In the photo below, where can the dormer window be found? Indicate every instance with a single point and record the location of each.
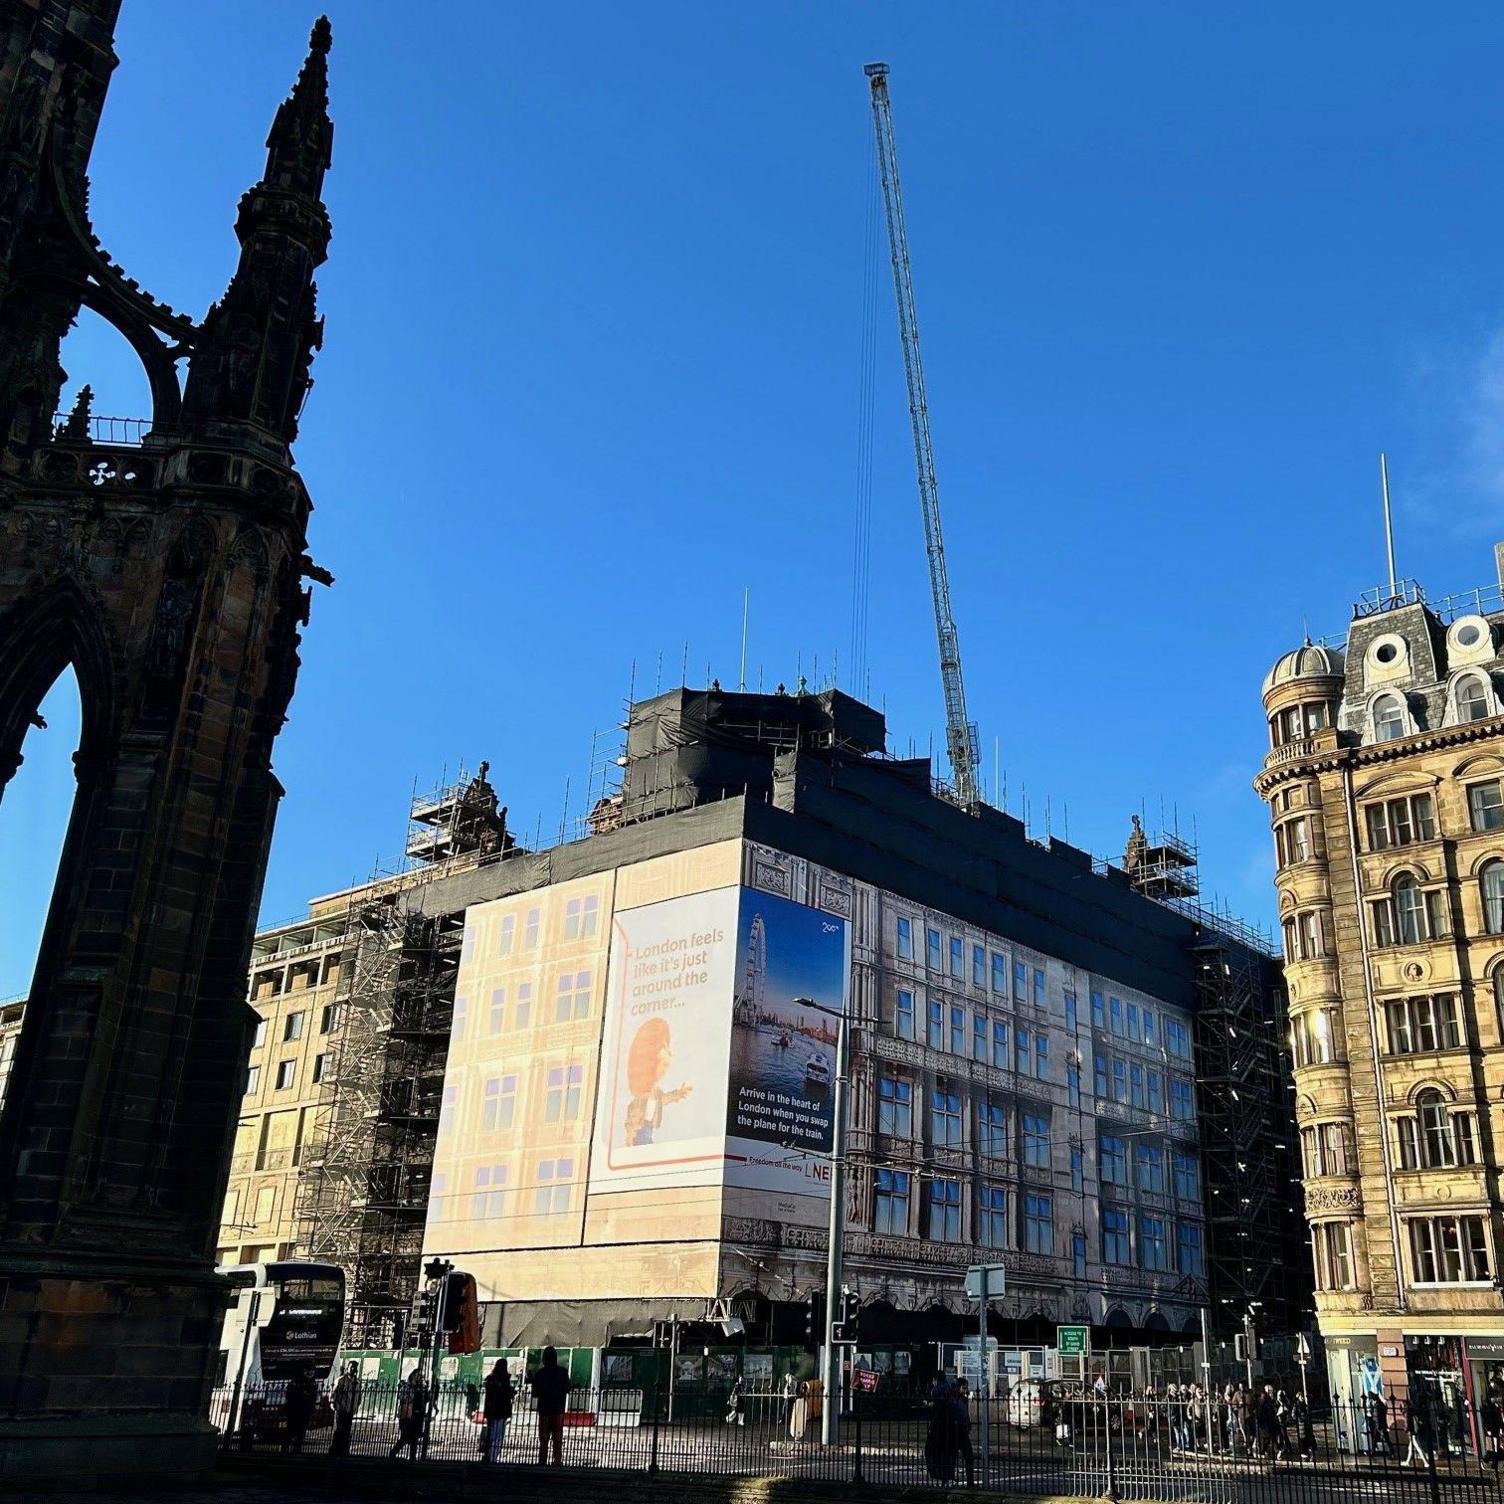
(1472, 699)
(1388, 719)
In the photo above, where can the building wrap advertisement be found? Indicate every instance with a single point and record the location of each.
(718, 1055)
(791, 971)
(660, 1112)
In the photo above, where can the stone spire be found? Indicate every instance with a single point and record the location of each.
(301, 140)
(252, 368)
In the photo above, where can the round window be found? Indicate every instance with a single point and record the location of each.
(1469, 633)
(1386, 652)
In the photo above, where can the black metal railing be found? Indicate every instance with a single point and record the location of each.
(1042, 1437)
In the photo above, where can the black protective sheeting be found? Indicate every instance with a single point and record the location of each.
(881, 1325)
(578, 1323)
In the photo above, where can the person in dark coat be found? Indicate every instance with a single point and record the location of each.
(940, 1439)
(1266, 1421)
(302, 1395)
(346, 1401)
(1380, 1443)
(960, 1410)
(1492, 1417)
(498, 1409)
(1305, 1438)
(550, 1386)
(412, 1404)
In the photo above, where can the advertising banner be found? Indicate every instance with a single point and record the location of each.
(789, 990)
(718, 1057)
(661, 1115)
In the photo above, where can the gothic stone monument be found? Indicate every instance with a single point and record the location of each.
(163, 562)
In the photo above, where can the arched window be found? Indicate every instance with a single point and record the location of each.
(1435, 1130)
(1409, 911)
(1491, 881)
(1472, 699)
(1388, 719)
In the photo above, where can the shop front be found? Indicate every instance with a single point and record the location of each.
(1461, 1374)
(1354, 1381)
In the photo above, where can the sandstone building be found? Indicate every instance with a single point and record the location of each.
(1385, 782)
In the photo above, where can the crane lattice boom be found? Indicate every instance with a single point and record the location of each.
(960, 733)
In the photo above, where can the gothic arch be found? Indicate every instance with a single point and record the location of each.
(59, 626)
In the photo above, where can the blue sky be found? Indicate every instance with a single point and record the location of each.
(593, 361)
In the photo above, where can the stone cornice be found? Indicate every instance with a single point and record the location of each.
(1330, 759)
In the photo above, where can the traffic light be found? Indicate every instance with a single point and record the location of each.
(814, 1322)
(461, 1312)
(425, 1308)
(844, 1328)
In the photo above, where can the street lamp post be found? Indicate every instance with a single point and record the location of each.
(437, 1272)
(830, 1363)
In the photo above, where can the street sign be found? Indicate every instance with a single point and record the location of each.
(1073, 1341)
(986, 1281)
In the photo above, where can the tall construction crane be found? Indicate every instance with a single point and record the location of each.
(960, 733)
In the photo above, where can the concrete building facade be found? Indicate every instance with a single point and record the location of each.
(1039, 1075)
(1385, 782)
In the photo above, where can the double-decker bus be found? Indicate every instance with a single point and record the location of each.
(286, 1316)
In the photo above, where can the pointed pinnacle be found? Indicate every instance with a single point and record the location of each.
(77, 424)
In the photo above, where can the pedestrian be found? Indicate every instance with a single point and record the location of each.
(1266, 1421)
(790, 1394)
(1379, 1440)
(940, 1438)
(1437, 1414)
(497, 1409)
(1418, 1423)
(1492, 1417)
(735, 1402)
(297, 1406)
(412, 1403)
(799, 1407)
(550, 1386)
(1195, 1417)
(346, 1401)
(960, 1410)
(1305, 1438)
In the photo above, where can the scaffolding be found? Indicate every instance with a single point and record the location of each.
(362, 1198)
(1245, 1103)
